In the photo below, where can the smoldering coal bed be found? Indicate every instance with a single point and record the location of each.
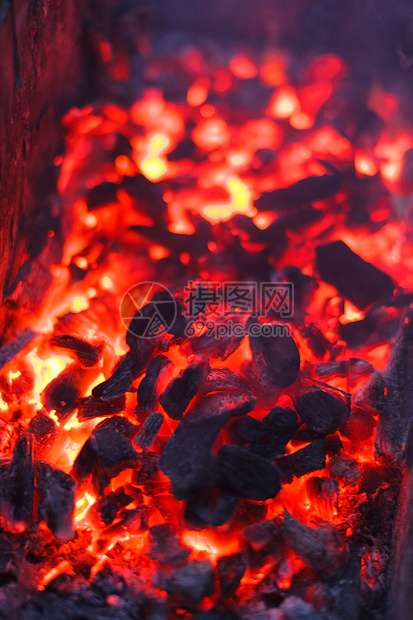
(206, 413)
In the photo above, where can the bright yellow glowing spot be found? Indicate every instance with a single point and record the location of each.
(81, 262)
(82, 506)
(91, 292)
(106, 283)
(263, 220)
(44, 372)
(392, 170)
(3, 406)
(79, 303)
(52, 414)
(72, 422)
(90, 220)
(364, 164)
(153, 166)
(351, 314)
(284, 103)
(240, 202)
(14, 375)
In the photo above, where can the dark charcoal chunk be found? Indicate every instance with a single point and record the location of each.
(305, 434)
(128, 369)
(262, 538)
(321, 548)
(332, 445)
(210, 507)
(246, 430)
(148, 195)
(153, 319)
(10, 350)
(185, 149)
(246, 474)
(294, 608)
(303, 191)
(104, 455)
(213, 347)
(18, 485)
(61, 393)
(276, 360)
(231, 569)
(43, 428)
(354, 278)
(165, 546)
(157, 371)
(187, 459)
(56, 492)
(109, 506)
(321, 409)
(133, 521)
(101, 195)
(149, 469)
(187, 585)
(346, 468)
(323, 493)
(372, 395)
(283, 423)
(149, 430)
(120, 424)
(359, 426)
(91, 407)
(179, 393)
(224, 380)
(309, 459)
(86, 353)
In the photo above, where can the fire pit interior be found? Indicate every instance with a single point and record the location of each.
(206, 365)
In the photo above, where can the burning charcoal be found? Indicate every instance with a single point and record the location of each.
(153, 319)
(323, 493)
(109, 506)
(246, 474)
(148, 196)
(321, 548)
(179, 393)
(231, 569)
(354, 278)
(262, 538)
(149, 430)
(56, 492)
(91, 407)
(215, 347)
(165, 546)
(283, 424)
(18, 485)
(316, 340)
(101, 195)
(104, 455)
(346, 468)
(224, 379)
(134, 521)
(86, 353)
(157, 372)
(294, 607)
(210, 507)
(304, 191)
(304, 435)
(187, 585)
(309, 459)
(276, 360)
(119, 424)
(187, 459)
(372, 395)
(395, 420)
(61, 393)
(43, 428)
(148, 470)
(359, 426)
(332, 445)
(353, 368)
(10, 350)
(121, 380)
(320, 409)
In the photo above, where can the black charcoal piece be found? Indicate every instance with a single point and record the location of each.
(346, 468)
(323, 494)
(359, 426)
(148, 196)
(321, 548)
(157, 371)
(276, 360)
(283, 423)
(63, 391)
(302, 192)
(147, 433)
(225, 379)
(223, 347)
(187, 585)
(245, 474)
(225, 507)
(109, 506)
(262, 538)
(105, 454)
(357, 280)
(86, 353)
(149, 468)
(10, 350)
(101, 195)
(165, 546)
(321, 409)
(246, 430)
(18, 485)
(43, 429)
(372, 395)
(231, 569)
(56, 491)
(91, 407)
(181, 390)
(128, 369)
(210, 507)
(308, 459)
(187, 458)
(294, 608)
